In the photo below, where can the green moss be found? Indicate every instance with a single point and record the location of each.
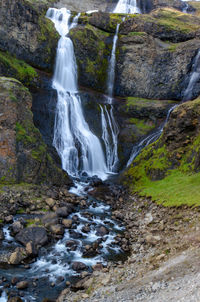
(173, 47)
(39, 153)
(136, 33)
(170, 174)
(175, 20)
(18, 68)
(21, 211)
(142, 125)
(96, 65)
(132, 102)
(22, 135)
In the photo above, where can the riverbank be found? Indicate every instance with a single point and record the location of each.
(164, 260)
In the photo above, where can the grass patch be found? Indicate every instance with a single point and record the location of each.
(176, 189)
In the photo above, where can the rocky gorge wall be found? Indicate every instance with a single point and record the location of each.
(155, 52)
(23, 155)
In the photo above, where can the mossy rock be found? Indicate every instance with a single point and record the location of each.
(24, 156)
(164, 23)
(27, 34)
(169, 169)
(92, 48)
(12, 67)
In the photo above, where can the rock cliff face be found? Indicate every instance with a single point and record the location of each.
(26, 33)
(169, 169)
(23, 155)
(155, 52)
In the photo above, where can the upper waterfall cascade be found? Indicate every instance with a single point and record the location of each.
(127, 7)
(79, 149)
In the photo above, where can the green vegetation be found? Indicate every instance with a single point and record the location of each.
(170, 174)
(175, 20)
(142, 125)
(135, 102)
(18, 68)
(136, 33)
(173, 47)
(94, 41)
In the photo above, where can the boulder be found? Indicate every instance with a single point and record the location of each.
(49, 219)
(37, 235)
(22, 285)
(15, 299)
(18, 256)
(102, 231)
(1, 235)
(16, 227)
(57, 229)
(67, 223)
(78, 266)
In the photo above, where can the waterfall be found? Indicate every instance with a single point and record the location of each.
(111, 68)
(149, 139)
(79, 149)
(127, 7)
(187, 95)
(194, 78)
(110, 129)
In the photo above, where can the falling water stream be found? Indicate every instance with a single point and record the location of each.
(80, 150)
(187, 95)
(127, 7)
(110, 129)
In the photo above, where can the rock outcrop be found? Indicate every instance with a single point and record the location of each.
(169, 169)
(23, 155)
(155, 52)
(26, 33)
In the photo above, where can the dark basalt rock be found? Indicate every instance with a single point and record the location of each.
(26, 33)
(78, 266)
(37, 235)
(23, 154)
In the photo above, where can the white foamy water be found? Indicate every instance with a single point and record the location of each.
(4, 297)
(7, 235)
(127, 7)
(58, 262)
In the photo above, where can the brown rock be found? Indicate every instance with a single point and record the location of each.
(67, 223)
(22, 285)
